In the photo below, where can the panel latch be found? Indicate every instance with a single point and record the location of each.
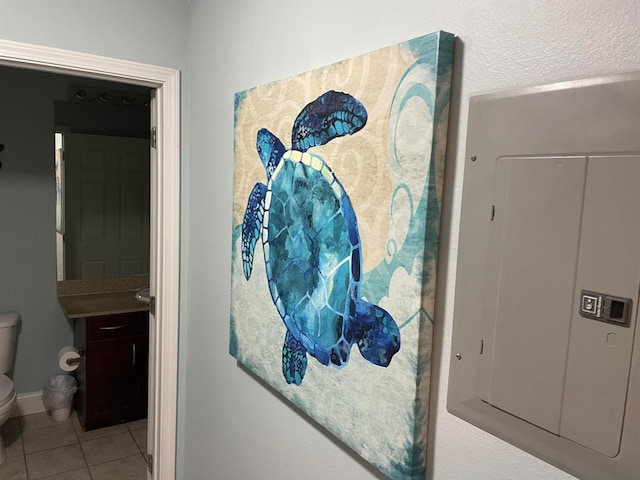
(606, 308)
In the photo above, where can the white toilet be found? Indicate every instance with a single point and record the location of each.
(8, 332)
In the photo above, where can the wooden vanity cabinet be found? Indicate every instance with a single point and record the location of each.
(112, 379)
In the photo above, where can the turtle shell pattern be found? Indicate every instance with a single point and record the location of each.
(312, 255)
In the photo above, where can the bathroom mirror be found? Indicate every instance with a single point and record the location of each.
(102, 183)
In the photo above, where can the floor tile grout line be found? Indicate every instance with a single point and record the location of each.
(50, 448)
(114, 460)
(24, 462)
(33, 429)
(76, 442)
(136, 444)
(128, 425)
(84, 456)
(87, 467)
(24, 454)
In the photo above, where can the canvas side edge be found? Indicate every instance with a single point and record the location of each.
(446, 44)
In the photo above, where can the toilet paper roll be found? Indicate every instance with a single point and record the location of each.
(64, 355)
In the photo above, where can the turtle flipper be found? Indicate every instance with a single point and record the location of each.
(252, 226)
(270, 149)
(376, 333)
(294, 359)
(331, 115)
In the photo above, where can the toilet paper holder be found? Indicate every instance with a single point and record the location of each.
(76, 361)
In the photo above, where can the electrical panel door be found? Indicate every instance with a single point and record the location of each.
(546, 349)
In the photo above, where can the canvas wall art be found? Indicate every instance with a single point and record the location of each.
(338, 177)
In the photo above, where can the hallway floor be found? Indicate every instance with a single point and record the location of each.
(40, 447)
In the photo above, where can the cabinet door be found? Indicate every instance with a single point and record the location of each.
(112, 381)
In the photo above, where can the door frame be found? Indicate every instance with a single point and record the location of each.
(165, 221)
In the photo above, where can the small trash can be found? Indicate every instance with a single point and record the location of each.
(58, 396)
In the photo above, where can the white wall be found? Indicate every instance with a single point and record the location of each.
(233, 427)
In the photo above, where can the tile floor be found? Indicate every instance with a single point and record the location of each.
(40, 447)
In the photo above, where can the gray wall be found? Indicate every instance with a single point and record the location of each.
(31, 102)
(148, 31)
(230, 426)
(27, 216)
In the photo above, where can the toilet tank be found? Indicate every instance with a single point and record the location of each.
(8, 332)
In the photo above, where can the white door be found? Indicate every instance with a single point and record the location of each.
(106, 206)
(165, 224)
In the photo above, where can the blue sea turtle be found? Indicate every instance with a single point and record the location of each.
(312, 249)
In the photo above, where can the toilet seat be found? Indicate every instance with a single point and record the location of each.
(7, 393)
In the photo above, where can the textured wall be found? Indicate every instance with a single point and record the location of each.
(232, 426)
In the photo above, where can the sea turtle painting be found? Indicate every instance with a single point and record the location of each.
(311, 244)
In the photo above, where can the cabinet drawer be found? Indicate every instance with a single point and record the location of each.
(111, 326)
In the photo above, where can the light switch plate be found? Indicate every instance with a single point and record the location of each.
(549, 273)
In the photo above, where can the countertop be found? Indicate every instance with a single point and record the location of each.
(89, 298)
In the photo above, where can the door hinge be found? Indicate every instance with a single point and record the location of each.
(152, 305)
(154, 137)
(150, 463)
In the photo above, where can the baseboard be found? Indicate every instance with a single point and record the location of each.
(28, 404)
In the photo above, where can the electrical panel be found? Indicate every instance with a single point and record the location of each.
(545, 348)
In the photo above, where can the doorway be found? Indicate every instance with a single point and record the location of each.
(164, 220)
